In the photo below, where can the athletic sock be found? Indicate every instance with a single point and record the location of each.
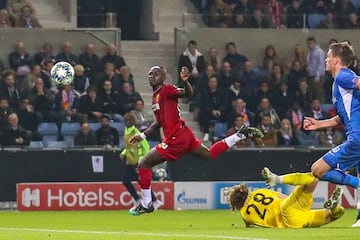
(358, 202)
(339, 177)
(145, 176)
(221, 146)
(297, 178)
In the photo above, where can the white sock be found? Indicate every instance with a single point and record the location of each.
(233, 139)
(146, 199)
(358, 198)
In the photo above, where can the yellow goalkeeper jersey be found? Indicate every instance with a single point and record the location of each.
(262, 208)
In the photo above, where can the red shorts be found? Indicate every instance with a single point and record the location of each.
(180, 143)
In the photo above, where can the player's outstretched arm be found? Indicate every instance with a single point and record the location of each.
(313, 124)
(137, 138)
(187, 91)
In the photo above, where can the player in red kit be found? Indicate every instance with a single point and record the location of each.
(178, 139)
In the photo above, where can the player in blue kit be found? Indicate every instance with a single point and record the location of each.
(346, 100)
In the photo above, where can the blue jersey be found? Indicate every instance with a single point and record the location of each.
(346, 100)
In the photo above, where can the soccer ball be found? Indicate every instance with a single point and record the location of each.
(160, 174)
(62, 73)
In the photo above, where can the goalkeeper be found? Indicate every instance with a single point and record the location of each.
(267, 208)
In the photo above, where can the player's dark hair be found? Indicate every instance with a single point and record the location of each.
(236, 196)
(192, 42)
(344, 51)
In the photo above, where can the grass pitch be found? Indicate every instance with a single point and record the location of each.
(169, 225)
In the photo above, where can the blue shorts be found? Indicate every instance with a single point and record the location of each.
(344, 156)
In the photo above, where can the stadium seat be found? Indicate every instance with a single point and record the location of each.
(48, 128)
(120, 126)
(315, 19)
(70, 128)
(94, 126)
(36, 144)
(219, 130)
(56, 144)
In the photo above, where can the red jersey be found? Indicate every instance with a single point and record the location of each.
(166, 109)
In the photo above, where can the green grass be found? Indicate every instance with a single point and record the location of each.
(181, 225)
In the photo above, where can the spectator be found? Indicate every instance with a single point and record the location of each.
(43, 101)
(67, 55)
(14, 8)
(263, 92)
(28, 82)
(276, 76)
(245, 8)
(316, 111)
(270, 133)
(213, 106)
(236, 91)
(19, 60)
(250, 79)
(271, 58)
(219, 14)
(45, 54)
(235, 59)
(304, 96)
(126, 76)
(90, 60)
(295, 15)
(193, 60)
(27, 18)
(299, 55)
(28, 119)
(14, 134)
(285, 134)
(90, 105)
(111, 102)
(66, 105)
(112, 57)
(317, 7)
(85, 136)
(296, 116)
(316, 68)
(10, 91)
(226, 76)
(239, 110)
(5, 111)
(236, 125)
(239, 21)
(128, 98)
(106, 135)
(142, 118)
(81, 81)
(109, 73)
(329, 22)
(283, 100)
(265, 108)
(307, 138)
(343, 9)
(213, 59)
(259, 20)
(275, 11)
(296, 74)
(45, 75)
(5, 21)
(329, 137)
(352, 21)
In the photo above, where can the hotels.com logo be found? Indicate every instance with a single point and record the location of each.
(84, 196)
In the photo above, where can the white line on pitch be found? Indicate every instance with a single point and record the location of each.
(127, 233)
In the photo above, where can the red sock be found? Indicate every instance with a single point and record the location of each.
(145, 176)
(217, 148)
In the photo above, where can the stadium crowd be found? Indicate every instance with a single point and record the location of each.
(274, 95)
(324, 14)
